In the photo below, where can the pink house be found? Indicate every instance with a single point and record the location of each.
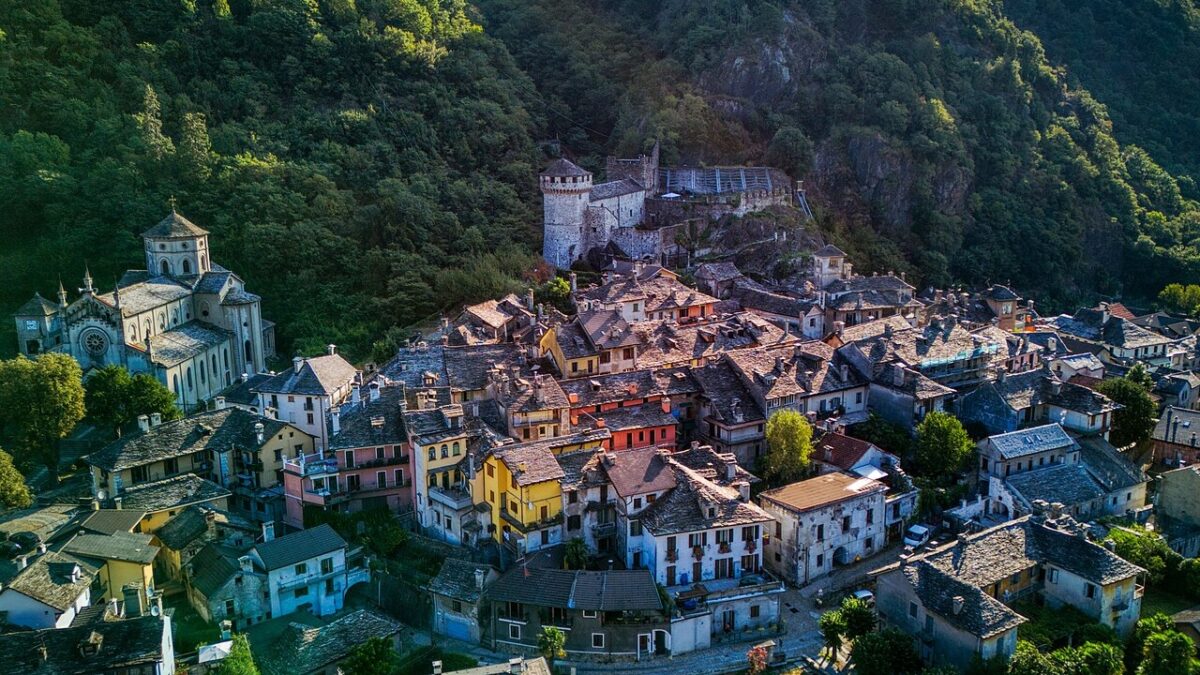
(366, 467)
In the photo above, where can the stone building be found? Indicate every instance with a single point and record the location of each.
(189, 322)
(456, 591)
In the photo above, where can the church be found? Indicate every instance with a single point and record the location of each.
(185, 319)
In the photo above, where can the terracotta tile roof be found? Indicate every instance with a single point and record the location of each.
(634, 472)
(840, 450)
(822, 491)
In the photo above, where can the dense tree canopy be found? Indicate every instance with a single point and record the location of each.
(41, 401)
(943, 445)
(789, 446)
(1134, 421)
(114, 398)
(14, 493)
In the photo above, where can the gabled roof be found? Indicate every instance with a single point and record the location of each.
(456, 579)
(378, 422)
(304, 649)
(192, 339)
(48, 579)
(698, 503)
(172, 493)
(979, 613)
(318, 376)
(212, 567)
(108, 521)
(174, 225)
(829, 251)
(299, 546)
(216, 429)
(613, 590)
(123, 546)
(840, 450)
(635, 472)
(192, 523)
(1031, 441)
(1179, 426)
(130, 645)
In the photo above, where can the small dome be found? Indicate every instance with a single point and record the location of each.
(174, 225)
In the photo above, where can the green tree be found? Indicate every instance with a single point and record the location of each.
(240, 661)
(575, 554)
(1167, 653)
(1090, 658)
(791, 150)
(1180, 298)
(1027, 659)
(376, 656)
(149, 122)
(14, 493)
(551, 642)
(1134, 421)
(195, 156)
(858, 616)
(42, 401)
(556, 292)
(887, 652)
(943, 446)
(1146, 627)
(1139, 375)
(789, 446)
(1146, 549)
(833, 631)
(114, 399)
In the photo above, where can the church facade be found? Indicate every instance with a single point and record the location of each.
(185, 319)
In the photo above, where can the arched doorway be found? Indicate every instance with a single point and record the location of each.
(166, 268)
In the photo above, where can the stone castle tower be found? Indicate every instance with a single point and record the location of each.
(566, 191)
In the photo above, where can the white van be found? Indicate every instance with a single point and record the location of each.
(916, 536)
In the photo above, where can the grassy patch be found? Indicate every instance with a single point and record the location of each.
(1157, 601)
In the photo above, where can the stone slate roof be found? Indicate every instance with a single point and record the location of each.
(125, 646)
(1031, 441)
(371, 423)
(184, 342)
(584, 393)
(528, 394)
(48, 580)
(44, 521)
(530, 463)
(212, 283)
(146, 295)
(563, 167)
(1178, 425)
(822, 491)
(665, 343)
(37, 306)
(172, 493)
(467, 367)
(710, 464)
(191, 523)
(1068, 484)
(728, 397)
(410, 365)
(986, 557)
(1000, 293)
(123, 546)
(456, 579)
(299, 546)
(634, 472)
(753, 296)
(1108, 465)
(980, 615)
(686, 507)
(608, 591)
(108, 521)
(604, 329)
(212, 566)
(658, 294)
(724, 271)
(643, 416)
(318, 376)
(216, 429)
(1038, 387)
(243, 392)
(616, 188)
(303, 649)
(808, 369)
(175, 225)
(1090, 324)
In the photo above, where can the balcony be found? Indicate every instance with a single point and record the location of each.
(672, 554)
(312, 465)
(604, 529)
(309, 579)
(526, 528)
(380, 462)
(724, 547)
(697, 552)
(454, 498)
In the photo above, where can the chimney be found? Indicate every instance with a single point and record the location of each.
(297, 363)
(117, 503)
(574, 282)
(743, 488)
(268, 531)
(22, 562)
(335, 419)
(246, 563)
(155, 419)
(134, 607)
(729, 461)
(143, 423)
(1052, 345)
(838, 327)
(226, 629)
(666, 405)
(219, 403)
(1110, 545)
(355, 395)
(245, 378)
(437, 668)
(1001, 374)
(959, 601)
(480, 577)
(373, 388)
(210, 522)
(529, 300)
(258, 432)
(844, 372)
(516, 665)
(331, 349)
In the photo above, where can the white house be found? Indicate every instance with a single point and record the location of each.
(48, 591)
(825, 521)
(307, 571)
(304, 394)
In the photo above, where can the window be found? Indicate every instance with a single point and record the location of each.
(456, 606)
(302, 568)
(820, 560)
(845, 523)
(229, 610)
(1052, 576)
(380, 479)
(755, 611)
(138, 474)
(589, 613)
(573, 523)
(1090, 590)
(327, 566)
(870, 516)
(597, 640)
(433, 454)
(491, 471)
(912, 609)
(635, 528)
(445, 451)
(455, 449)
(171, 466)
(300, 592)
(572, 496)
(514, 631)
(821, 533)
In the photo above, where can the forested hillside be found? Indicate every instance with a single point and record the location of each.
(365, 163)
(360, 164)
(934, 134)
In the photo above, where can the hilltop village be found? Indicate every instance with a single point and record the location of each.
(607, 469)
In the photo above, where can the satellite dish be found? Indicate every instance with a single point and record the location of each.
(101, 494)
(154, 610)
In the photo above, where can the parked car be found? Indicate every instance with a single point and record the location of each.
(916, 536)
(865, 595)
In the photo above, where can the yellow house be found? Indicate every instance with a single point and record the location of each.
(126, 557)
(521, 486)
(570, 349)
(535, 407)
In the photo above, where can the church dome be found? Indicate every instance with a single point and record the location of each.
(174, 225)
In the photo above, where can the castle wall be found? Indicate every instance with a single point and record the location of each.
(646, 243)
